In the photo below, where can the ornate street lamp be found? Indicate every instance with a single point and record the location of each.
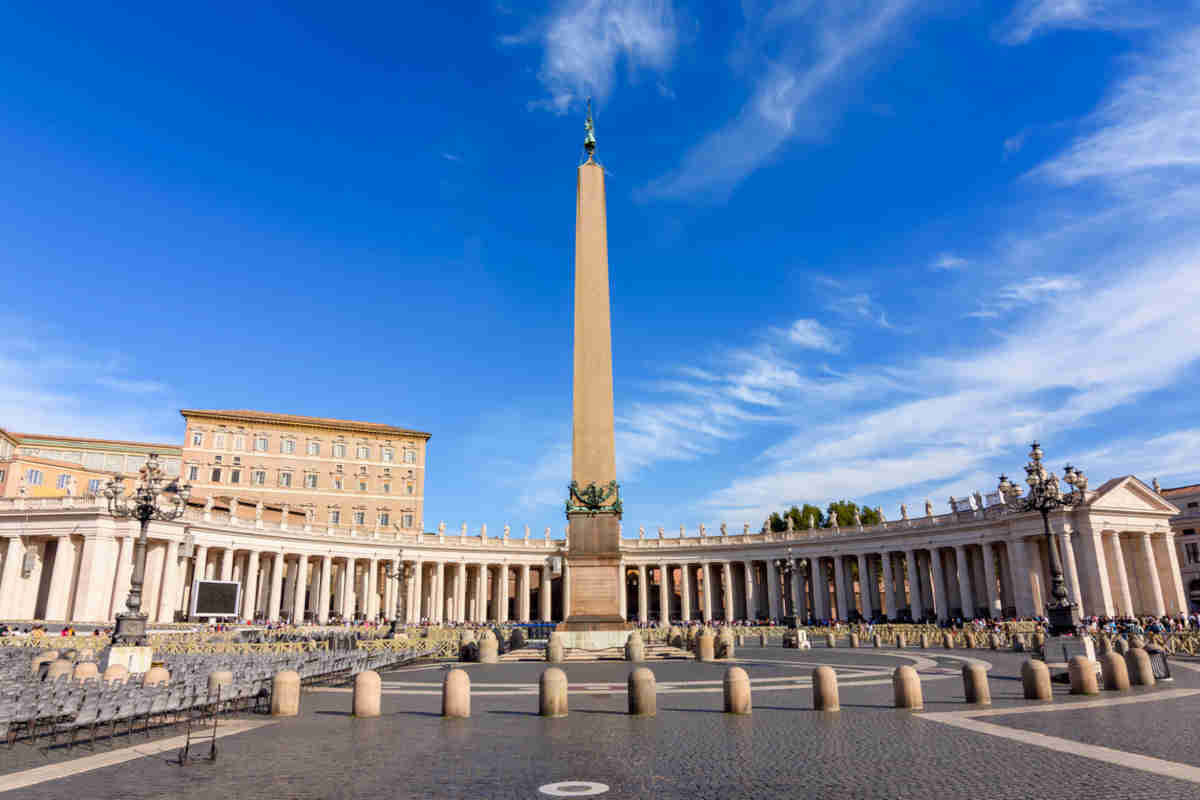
(785, 567)
(1045, 496)
(401, 577)
(150, 500)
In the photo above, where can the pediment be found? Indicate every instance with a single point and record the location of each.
(1130, 494)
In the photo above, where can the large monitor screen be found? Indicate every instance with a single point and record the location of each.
(215, 598)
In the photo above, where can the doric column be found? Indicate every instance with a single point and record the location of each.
(772, 589)
(250, 599)
(277, 567)
(502, 593)
(169, 592)
(346, 579)
(748, 577)
(915, 607)
(523, 584)
(301, 595)
(323, 591)
(842, 590)
(1070, 569)
(994, 606)
(622, 592)
(727, 591)
(460, 592)
(643, 594)
(966, 597)
(864, 587)
(939, 584)
(566, 587)
(93, 563)
(1173, 590)
(1155, 604)
(545, 594)
(1022, 577)
(11, 577)
(804, 604)
(60, 579)
(417, 589)
(664, 594)
(227, 563)
(707, 587)
(685, 592)
(889, 584)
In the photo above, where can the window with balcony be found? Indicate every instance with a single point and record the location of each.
(406, 521)
(384, 518)
(33, 477)
(64, 480)
(93, 485)
(360, 517)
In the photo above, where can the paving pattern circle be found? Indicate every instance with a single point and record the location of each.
(573, 789)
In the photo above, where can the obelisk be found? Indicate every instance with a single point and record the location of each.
(594, 499)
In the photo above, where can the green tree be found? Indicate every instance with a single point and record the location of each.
(844, 510)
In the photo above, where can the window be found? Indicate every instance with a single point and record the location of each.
(258, 477)
(387, 471)
(93, 485)
(411, 488)
(1, 476)
(93, 460)
(193, 473)
(287, 446)
(387, 488)
(237, 459)
(337, 483)
(362, 486)
(260, 443)
(217, 459)
(219, 441)
(387, 453)
(360, 517)
(310, 480)
(285, 479)
(406, 521)
(362, 469)
(34, 477)
(339, 450)
(1194, 504)
(335, 517)
(63, 481)
(383, 518)
(239, 443)
(314, 448)
(216, 476)
(1192, 551)
(364, 451)
(114, 463)
(338, 468)
(235, 476)
(197, 439)
(410, 456)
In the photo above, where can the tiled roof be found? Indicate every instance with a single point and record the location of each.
(1192, 489)
(296, 419)
(41, 438)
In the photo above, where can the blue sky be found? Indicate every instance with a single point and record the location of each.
(861, 250)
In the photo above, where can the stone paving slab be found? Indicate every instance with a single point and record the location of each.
(691, 749)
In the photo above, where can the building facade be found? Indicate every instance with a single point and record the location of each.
(67, 559)
(1186, 526)
(35, 465)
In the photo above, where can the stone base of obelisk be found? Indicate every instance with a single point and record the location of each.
(594, 620)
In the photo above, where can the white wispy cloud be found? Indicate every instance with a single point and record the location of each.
(584, 41)
(451, 156)
(816, 47)
(949, 261)
(813, 335)
(1029, 291)
(1031, 17)
(132, 386)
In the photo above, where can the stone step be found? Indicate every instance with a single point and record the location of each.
(656, 652)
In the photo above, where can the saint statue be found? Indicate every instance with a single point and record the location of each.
(928, 508)
(506, 530)
(641, 533)
(724, 529)
(258, 510)
(701, 530)
(903, 511)
(527, 533)
(660, 532)
(791, 525)
(745, 529)
(208, 504)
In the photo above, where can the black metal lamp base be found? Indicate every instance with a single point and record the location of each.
(1064, 619)
(130, 631)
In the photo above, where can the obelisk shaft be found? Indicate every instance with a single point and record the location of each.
(593, 451)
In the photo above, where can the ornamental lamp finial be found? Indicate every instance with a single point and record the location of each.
(589, 139)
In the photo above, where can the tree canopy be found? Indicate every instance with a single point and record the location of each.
(810, 516)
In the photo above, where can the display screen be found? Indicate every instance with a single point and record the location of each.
(216, 598)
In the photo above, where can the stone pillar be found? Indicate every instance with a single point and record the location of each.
(966, 597)
(748, 574)
(864, 591)
(170, 582)
(277, 568)
(802, 605)
(1021, 570)
(93, 585)
(523, 605)
(685, 592)
(707, 588)
(346, 605)
(60, 580)
(889, 584)
(994, 607)
(1066, 551)
(301, 591)
(643, 594)
(227, 564)
(11, 577)
(622, 592)
(390, 567)
(545, 593)
(1172, 579)
(460, 593)
(820, 584)
(566, 587)
(500, 613)
(1124, 597)
(371, 602)
(250, 598)
(842, 590)
(939, 584)
(664, 594)
(415, 614)
(797, 591)
(1153, 595)
(323, 591)
(772, 589)
(914, 586)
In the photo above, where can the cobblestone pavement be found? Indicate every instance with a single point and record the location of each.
(691, 749)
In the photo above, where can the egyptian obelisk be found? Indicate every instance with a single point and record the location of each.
(593, 500)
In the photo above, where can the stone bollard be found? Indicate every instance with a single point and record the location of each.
(1137, 641)
(675, 637)
(741, 640)
(1116, 674)
(1082, 671)
(900, 641)
(155, 676)
(1137, 663)
(926, 641)
(59, 666)
(489, 648)
(853, 640)
(635, 649)
(825, 689)
(220, 680)
(643, 693)
(737, 691)
(948, 641)
(86, 670)
(1104, 646)
(906, 687)
(830, 640)
(552, 693)
(762, 640)
(705, 650)
(1035, 678)
(877, 641)
(725, 646)
(1121, 646)
(555, 650)
(975, 684)
(115, 673)
(456, 694)
(368, 694)
(1018, 643)
(994, 641)
(285, 693)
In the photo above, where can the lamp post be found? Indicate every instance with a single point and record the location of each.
(150, 500)
(1046, 496)
(401, 576)
(785, 567)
